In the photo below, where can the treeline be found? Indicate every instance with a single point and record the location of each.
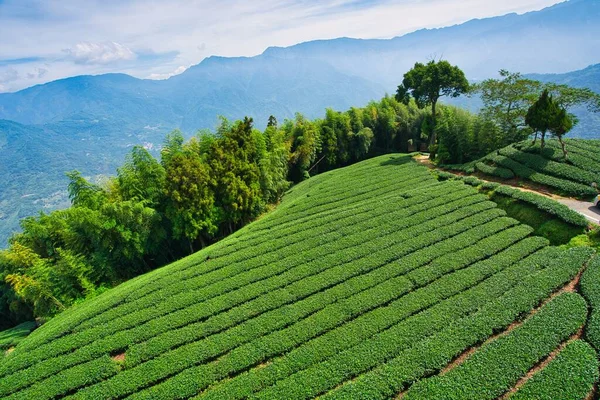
(510, 113)
(155, 211)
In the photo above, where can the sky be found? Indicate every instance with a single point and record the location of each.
(44, 40)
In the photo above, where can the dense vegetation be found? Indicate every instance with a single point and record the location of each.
(513, 109)
(156, 211)
(362, 282)
(576, 176)
(11, 337)
(549, 219)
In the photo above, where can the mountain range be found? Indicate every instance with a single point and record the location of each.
(90, 122)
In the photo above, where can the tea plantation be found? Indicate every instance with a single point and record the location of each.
(547, 167)
(370, 281)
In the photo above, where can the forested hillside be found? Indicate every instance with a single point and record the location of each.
(366, 281)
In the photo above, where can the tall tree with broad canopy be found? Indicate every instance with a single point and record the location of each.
(426, 83)
(506, 101)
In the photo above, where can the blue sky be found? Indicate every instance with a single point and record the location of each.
(43, 40)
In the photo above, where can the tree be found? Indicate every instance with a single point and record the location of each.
(567, 97)
(305, 144)
(506, 102)
(234, 162)
(84, 193)
(272, 123)
(426, 83)
(190, 197)
(141, 178)
(562, 122)
(540, 116)
(274, 164)
(455, 130)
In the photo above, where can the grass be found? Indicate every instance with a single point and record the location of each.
(363, 281)
(11, 337)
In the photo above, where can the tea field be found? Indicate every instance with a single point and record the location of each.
(548, 167)
(372, 281)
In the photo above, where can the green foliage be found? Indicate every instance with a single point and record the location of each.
(505, 103)
(509, 102)
(142, 177)
(426, 83)
(363, 274)
(503, 173)
(545, 204)
(571, 375)
(408, 355)
(556, 173)
(155, 211)
(498, 365)
(547, 115)
(190, 197)
(13, 336)
(530, 208)
(590, 288)
(555, 230)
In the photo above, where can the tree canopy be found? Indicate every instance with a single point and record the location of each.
(426, 83)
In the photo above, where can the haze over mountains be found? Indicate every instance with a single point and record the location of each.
(98, 118)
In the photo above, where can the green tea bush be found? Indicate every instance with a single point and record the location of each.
(571, 375)
(356, 270)
(498, 365)
(590, 287)
(11, 337)
(543, 203)
(499, 172)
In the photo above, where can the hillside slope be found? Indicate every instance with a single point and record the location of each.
(363, 281)
(524, 161)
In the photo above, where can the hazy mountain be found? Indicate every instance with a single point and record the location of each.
(561, 38)
(558, 39)
(90, 122)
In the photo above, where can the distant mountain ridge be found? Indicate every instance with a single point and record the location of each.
(557, 39)
(99, 118)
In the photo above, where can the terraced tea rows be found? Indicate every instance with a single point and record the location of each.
(572, 177)
(362, 282)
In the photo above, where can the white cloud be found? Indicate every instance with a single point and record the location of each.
(115, 36)
(37, 73)
(9, 75)
(99, 53)
(158, 76)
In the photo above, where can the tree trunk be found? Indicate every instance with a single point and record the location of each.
(191, 246)
(535, 138)
(564, 148)
(433, 138)
(543, 141)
